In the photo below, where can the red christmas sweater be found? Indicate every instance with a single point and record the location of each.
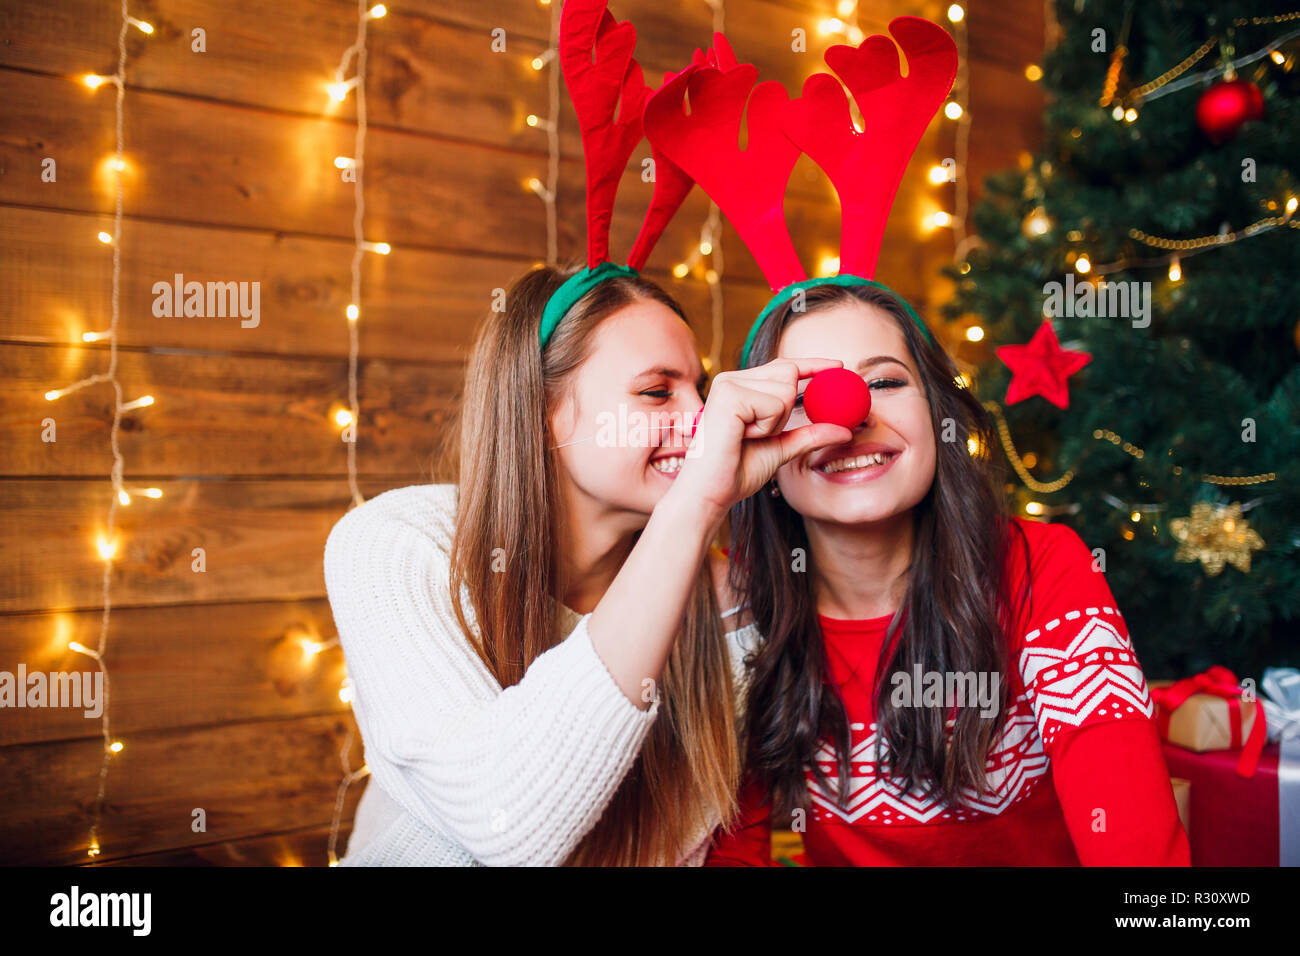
(1077, 776)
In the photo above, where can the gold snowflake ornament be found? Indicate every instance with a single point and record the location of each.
(1215, 534)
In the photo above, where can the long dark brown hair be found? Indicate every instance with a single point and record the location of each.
(508, 523)
(954, 617)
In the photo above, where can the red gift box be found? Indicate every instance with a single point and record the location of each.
(1234, 819)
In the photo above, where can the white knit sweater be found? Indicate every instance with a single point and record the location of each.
(463, 773)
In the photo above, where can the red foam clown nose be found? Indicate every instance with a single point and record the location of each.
(839, 396)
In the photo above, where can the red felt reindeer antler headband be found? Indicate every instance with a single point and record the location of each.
(609, 95)
(865, 167)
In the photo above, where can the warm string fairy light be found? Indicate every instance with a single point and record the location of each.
(107, 545)
(548, 191)
(959, 104)
(354, 57)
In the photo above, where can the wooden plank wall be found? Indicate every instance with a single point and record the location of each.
(230, 178)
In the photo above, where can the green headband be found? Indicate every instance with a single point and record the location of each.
(786, 294)
(571, 290)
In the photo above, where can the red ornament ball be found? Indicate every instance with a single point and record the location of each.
(839, 396)
(1225, 106)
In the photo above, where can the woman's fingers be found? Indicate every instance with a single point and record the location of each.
(779, 378)
(762, 406)
(800, 441)
(792, 371)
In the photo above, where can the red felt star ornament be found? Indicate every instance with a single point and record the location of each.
(1041, 367)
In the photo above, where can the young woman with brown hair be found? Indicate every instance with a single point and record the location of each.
(1044, 752)
(933, 655)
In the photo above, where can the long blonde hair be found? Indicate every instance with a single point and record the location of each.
(688, 770)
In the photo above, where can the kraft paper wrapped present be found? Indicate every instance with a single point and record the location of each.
(1206, 712)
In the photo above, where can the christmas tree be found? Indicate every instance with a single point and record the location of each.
(1157, 412)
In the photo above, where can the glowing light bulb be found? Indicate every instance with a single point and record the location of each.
(938, 174)
(1291, 205)
(955, 13)
(353, 313)
(105, 238)
(142, 26)
(1083, 264)
(118, 163)
(828, 265)
(116, 746)
(1037, 223)
(338, 91)
(706, 248)
(94, 81)
(343, 417)
(531, 119)
(972, 445)
(377, 11)
(1135, 517)
(1118, 112)
(941, 218)
(106, 548)
(680, 270)
(123, 497)
(343, 162)
(975, 333)
(1033, 72)
(1277, 57)
(952, 110)
(831, 25)
(153, 492)
(1130, 115)
(845, 8)
(1033, 507)
(538, 63)
(1175, 270)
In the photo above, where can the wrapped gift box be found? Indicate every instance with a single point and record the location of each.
(1203, 721)
(1231, 820)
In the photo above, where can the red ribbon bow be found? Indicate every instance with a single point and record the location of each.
(1220, 682)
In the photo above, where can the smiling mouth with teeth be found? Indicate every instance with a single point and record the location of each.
(859, 461)
(669, 465)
